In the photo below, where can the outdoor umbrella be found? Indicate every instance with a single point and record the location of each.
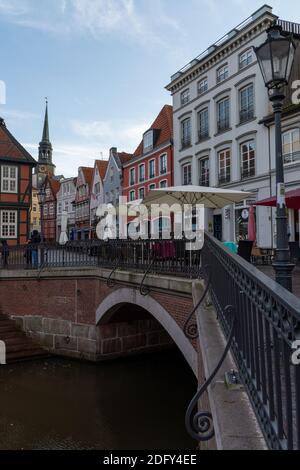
(211, 198)
(292, 200)
(251, 225)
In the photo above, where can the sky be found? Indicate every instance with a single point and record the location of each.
(104, 65)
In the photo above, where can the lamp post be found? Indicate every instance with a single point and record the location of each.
(42, 197)
(275, 57)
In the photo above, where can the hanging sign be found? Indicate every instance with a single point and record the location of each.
(281, 195)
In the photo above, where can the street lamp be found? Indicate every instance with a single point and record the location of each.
(41, 198)
(275, 57)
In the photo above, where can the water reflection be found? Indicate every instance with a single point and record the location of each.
(137, 403)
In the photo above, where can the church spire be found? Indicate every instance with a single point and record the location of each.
(45, 165)
(45, 137)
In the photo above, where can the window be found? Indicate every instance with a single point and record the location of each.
(291, 146)
(204, 171)
(224, 159)
(142, 173)
(148, 141)
(245, 58)
(186, 133)
(187, 174)
(66, 206)
(111, 174)
(246, 103)
(9, 176)
(163, 184)
(45, 210)
(202, 86)
(132, 196)
(59, 208)
(141, 193)
(152, 169)
(222, 73)
(163, 164)
(132, 176)
(248, 159)
(223, 115)
(8, 224)
(51, 209)
(203, 131)
(152, 186)
(185, 96)
(97, 188)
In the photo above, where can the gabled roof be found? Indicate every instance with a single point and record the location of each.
(55, 185)
(88, 174)
(12, 149)
(102, 166)
(164, 125)
(123, 157)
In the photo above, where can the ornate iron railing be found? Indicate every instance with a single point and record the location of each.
(267, 323)
(151, 256)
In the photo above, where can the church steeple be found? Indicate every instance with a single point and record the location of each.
(45, 166)
(45, 137)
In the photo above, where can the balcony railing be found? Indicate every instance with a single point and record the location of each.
(246, 115)
(185, 143)
(291, 157)
(223, 125)
(247, 172)
(203, 134)
(170, 256)
(224, 178)
(267, 323)
(204, 180)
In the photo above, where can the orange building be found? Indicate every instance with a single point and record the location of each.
(16, 166)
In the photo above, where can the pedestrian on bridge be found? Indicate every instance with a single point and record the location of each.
(5, 253)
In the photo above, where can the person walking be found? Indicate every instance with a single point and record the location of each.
(5, 253)
(34, 245)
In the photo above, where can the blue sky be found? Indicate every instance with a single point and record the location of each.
(103, 64)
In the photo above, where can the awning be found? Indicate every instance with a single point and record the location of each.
(292, 200)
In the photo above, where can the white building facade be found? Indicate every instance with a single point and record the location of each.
(219, 101)
(65, 203)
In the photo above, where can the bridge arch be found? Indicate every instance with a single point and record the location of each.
(123, 296)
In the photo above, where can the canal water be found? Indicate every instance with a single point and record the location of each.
(129, 404)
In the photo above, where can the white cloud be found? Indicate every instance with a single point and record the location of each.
(128, 19)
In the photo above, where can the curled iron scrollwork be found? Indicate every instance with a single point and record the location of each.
(190, 327)
(109, 281)
(144, 290)
(199, 425)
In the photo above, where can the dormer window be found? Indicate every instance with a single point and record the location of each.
(148, 141)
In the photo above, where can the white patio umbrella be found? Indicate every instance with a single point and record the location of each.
(63, 238)
(211, 198)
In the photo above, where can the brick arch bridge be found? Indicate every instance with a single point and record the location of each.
(165, 309)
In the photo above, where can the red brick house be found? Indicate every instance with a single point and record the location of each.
(152, 164)
(48, 211)
(82, 203)
(16, 166)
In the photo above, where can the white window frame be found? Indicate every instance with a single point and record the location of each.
(163, 181)
(150, 161)
(185, 97)
(140, 166)
(9, 224)
(225, 151)
(202, 86)
(132, 170)
(291, 144)
(185, 165)
(160, 167)
(249, 159)
(9, 179)
(132, 192)
(151, 186)
(142, 187)
(245, 58)
(222, 73)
